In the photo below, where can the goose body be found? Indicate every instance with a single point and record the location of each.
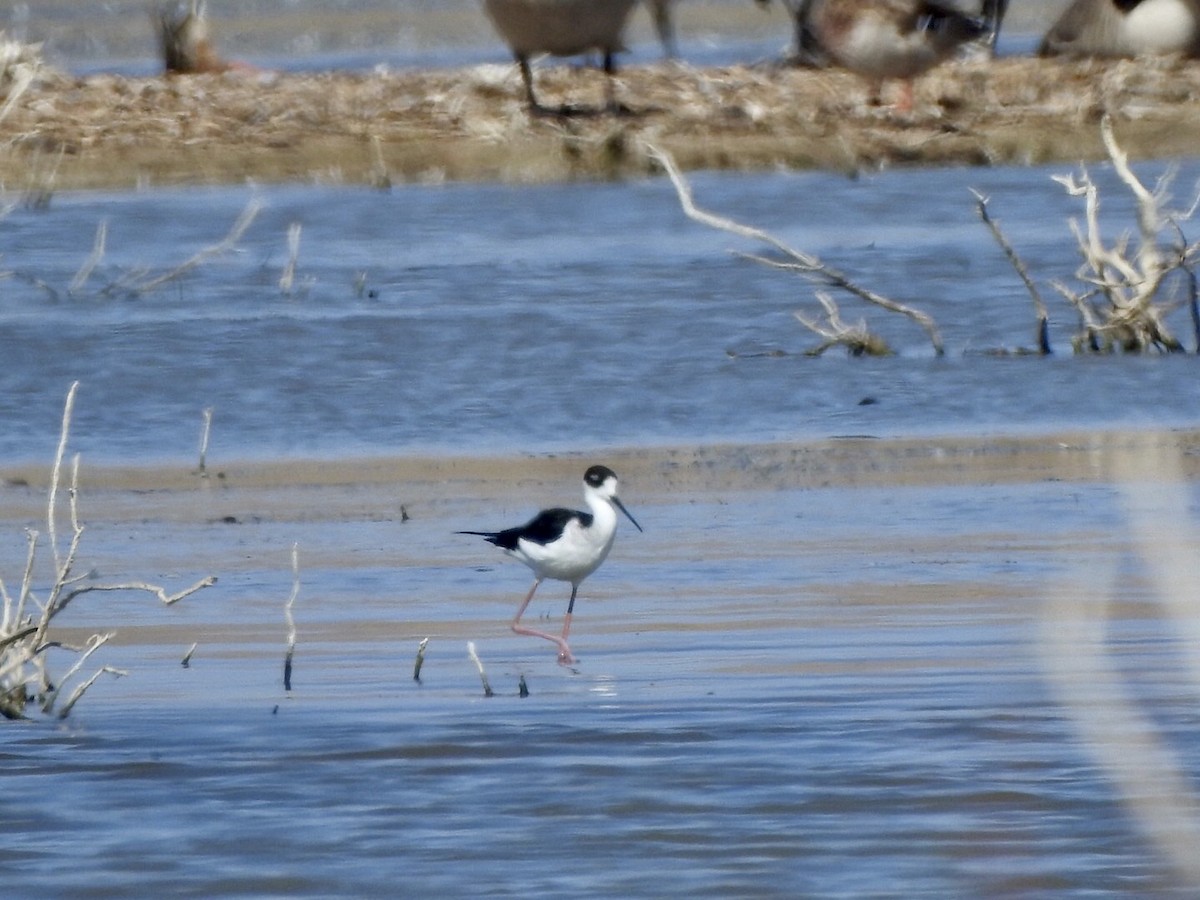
(1117, 28)
(559, 28)
(881, 39)
(890, 38)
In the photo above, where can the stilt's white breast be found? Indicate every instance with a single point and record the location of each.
(576, 554)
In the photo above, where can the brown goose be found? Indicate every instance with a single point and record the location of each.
(881, 39)
(664, 26)
(560, 28)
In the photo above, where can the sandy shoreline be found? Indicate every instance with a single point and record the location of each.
(374, 487)
(112, 132)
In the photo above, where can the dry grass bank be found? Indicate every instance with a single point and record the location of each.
(112, 132)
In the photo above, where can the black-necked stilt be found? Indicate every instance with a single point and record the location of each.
(565, 545)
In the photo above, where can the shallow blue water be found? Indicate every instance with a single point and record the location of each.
(831, 692)
(753, 714)
(500, 318)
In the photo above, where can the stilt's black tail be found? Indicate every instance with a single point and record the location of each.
(506, 539)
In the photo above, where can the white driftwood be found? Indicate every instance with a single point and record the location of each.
(857, 340)
(1122, 304)
(288, 278)
(222, 246)
(205, 433)
(806, 264)
(420, 660)
(471, 652)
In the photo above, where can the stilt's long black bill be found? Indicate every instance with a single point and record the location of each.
(621, 507)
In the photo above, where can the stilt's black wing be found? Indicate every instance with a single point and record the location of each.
(547, 525)
(543, 528)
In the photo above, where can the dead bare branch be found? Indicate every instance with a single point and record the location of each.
(291, 623)
(24, 637)
(471, 652)
(420, 660)
(222, 246)
(158, 591)
(806, 264)
(1133, 314)
(93, 260)
(857, 340)
(81, 689)
(205, 431)
(1039, 305)
(288, 278)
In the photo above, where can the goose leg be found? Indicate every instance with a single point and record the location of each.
(531, 100)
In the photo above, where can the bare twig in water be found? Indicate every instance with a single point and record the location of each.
(487, 688)
(380, 178)
(205, 431)
(82, 688)
(806, 264)
(857, 339)
(1039, 305)
(420, 659)
(159, 592)
(288, 278)
(291, 623)
(1193, 303)
(222, 246)
(55, 474)
(93, 260)
(94, 643)
(141, 280)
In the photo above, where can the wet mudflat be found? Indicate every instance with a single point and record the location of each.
(827, 668)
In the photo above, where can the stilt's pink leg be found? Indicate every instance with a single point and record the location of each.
(564, 656)
(564, 652)
(525, 603)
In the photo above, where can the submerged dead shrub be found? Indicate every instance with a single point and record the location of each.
(834, 332)
(1126, 292)
(25, 626)
(1123, 293)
